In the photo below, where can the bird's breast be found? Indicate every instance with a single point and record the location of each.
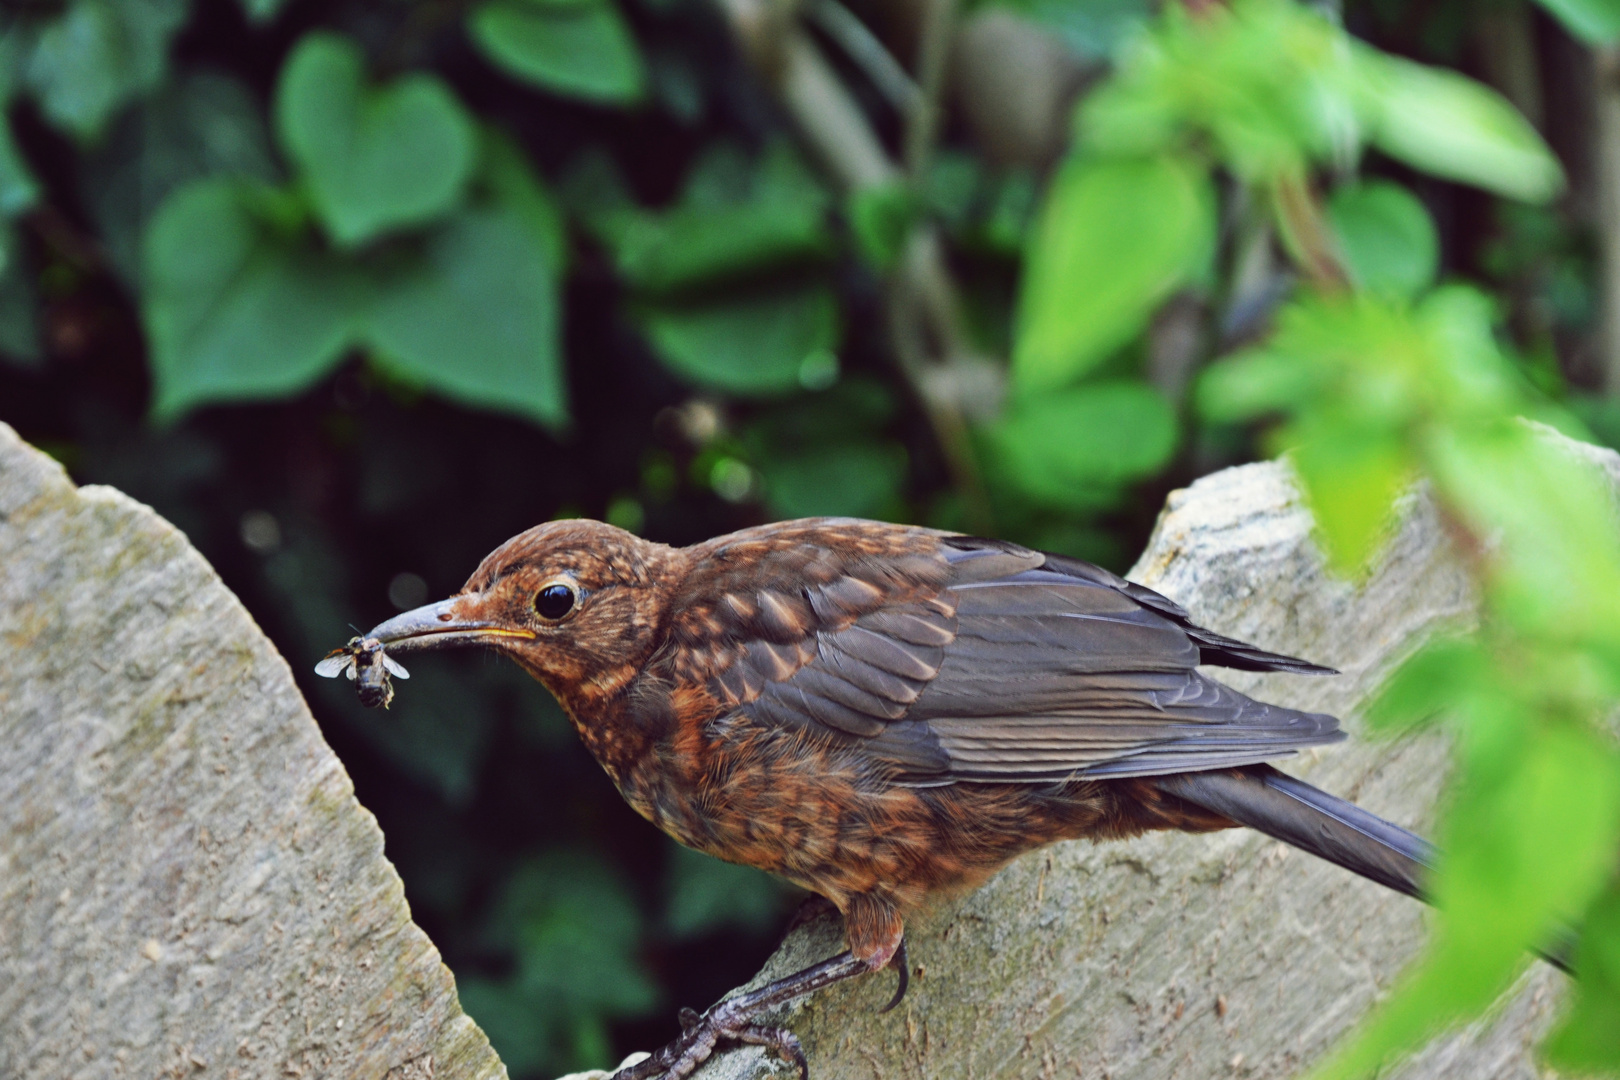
(816, 813)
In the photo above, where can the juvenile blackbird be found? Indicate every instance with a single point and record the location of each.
(879, 712)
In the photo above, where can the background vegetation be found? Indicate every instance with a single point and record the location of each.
(353, 291)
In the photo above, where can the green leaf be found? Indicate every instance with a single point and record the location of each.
(1265, 87)
(1444, 123)
(505, 169)
(882, 217)
(848, 479)
(1588, 1039)
(1073, 447)
(1523, 849)
(1433, 680)
(1551, 514)
(18, 188)
(737, 215)
(582, 49)
(260, 12)
(477, 318)
(97, 55)
(1597, 22)
(19, 305)
(1092, 30)
(706, 894)
(753, 346)
(515, 1024)
(200, 124)
(691, 245)
(574, 930)
(374, 159)
(1386, 237)
(1352, 475)
(1115, 238)
(233, 311)
(1254, 383)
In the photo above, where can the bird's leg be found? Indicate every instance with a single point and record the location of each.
(877, 936)
(733, 1021)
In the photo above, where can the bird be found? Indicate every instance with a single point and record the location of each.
(884, 713)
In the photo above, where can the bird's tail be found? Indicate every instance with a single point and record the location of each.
(1310, 819)
(1327, 826)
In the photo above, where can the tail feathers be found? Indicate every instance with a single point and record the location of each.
(1327, 826)
(1312, 820)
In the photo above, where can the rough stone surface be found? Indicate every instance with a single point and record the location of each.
(1174, 956)
(187, 885)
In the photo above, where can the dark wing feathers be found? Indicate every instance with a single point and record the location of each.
(1010, 666)
(1217, 649)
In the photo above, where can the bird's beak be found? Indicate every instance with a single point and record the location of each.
(444, 625)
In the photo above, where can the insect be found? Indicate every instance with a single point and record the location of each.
(367, 666)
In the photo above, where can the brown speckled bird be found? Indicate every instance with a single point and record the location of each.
(878, 713)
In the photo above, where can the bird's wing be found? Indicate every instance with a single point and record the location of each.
(963, 659)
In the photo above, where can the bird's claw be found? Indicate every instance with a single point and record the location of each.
(902, 967)
(702, 1033)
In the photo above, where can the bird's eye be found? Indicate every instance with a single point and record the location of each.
(555, 600)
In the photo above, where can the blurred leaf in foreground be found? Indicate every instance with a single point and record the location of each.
(1115, 238)
(1588, 1040)
(1529, 839)
(1449, 125)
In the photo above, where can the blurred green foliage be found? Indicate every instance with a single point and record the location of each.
(353, 291)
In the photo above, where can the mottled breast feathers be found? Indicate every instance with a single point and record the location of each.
(946, 659)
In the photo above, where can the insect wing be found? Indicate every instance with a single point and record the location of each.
(395, 668)
(335, 663)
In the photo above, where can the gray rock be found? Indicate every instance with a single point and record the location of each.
(187, 885)
(1225, 955)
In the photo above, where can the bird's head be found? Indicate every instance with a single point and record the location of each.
(576, 603)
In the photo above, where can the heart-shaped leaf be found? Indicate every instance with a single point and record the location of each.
(234, 311)
(754, 346)
(96, 55)
(477, 318)
(582, 49)
(374, 158)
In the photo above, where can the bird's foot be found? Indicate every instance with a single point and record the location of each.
(734, 1021)
(731, 1021)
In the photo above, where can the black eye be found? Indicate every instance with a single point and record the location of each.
(555, 601)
